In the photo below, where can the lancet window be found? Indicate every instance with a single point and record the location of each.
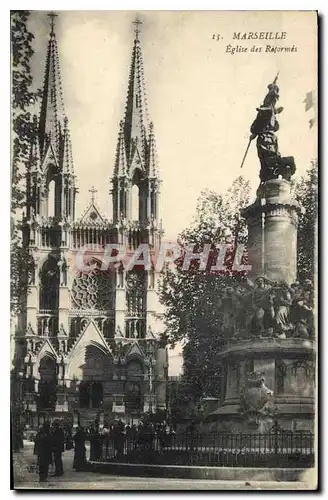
(49, 285)
(136, 293)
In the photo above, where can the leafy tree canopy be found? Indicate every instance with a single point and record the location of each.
(191, 296)
(24, 129)
(306, 193)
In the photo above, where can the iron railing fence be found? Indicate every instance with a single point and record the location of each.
(274, 449)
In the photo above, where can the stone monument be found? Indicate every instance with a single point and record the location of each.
(268, 360)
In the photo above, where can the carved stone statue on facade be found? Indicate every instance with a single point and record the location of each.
(119, 351)
(62, 264)
(264, 127)
(32, 214)
(29, 330)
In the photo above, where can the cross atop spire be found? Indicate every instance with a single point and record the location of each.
(136, 158)
(93, 191)
(52, 15)
(136, 116)
(137, 23)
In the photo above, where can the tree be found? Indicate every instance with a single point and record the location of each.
(24, 130)
(306, 193)
(191, 296)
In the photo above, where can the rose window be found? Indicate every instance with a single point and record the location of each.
(93, 291)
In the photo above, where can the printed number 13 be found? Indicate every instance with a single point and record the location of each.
(216, 36)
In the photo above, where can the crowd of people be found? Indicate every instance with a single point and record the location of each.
(112, 441)
(49, 445)
(106, 442)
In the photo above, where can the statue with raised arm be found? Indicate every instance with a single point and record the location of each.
(264, 127)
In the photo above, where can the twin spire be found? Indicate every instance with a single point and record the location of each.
(136, 148)
(54, 136)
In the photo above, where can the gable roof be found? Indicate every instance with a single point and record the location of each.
(91, 335)
(92, 217)
(135, 350)
(47, 349)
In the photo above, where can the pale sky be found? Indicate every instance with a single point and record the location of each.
(201, 99)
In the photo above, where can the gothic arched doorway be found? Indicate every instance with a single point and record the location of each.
(49, 285)
(84, 395)
(133, 398)
(133, 387)
(91, 394)
(47, 384)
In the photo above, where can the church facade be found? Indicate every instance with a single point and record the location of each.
(87, 346)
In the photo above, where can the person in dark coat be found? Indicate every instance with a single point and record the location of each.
(43, 450)
(69, 439)
(97, 442)
(92, 439)
(17, 439)
(58, 440)
(119, 438)
(134, 435)
(80, 460)
(128, 438)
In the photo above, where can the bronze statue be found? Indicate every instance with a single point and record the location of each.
(264, 127)
(262, 319)
(282, 305)
(303, 314)
(266, 309)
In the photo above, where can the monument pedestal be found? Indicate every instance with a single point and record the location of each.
(272, 232)
(289, 369)
(269, 361)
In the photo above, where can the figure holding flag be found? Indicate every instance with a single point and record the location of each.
(264, 127)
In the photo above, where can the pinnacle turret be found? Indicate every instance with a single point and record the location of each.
(136, 113)
(136, 156)
(51, 181)
(153, 164)
(68, 167)
(120, 159)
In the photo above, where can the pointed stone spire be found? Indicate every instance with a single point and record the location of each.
(51, 150)
(51, 123)
(136, 157)
(136, 114)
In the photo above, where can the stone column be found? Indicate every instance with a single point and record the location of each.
(63, 307)
(120, 305)
(272, 231)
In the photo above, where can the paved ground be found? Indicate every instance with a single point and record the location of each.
(26, 477)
